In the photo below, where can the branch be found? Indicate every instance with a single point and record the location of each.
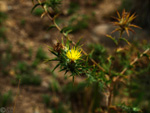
(131, 64)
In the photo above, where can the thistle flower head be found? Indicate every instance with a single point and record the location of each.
(124, 22)
(73, 54)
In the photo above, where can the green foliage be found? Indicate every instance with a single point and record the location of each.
(41, 54)
(124, 58)
(129, 109)
(98, 78)
(35, 63)
(23, 22)
(70, 88)
(77, 94)
(46, 100)
(60, 109)
(48, 70)
(30, 53)
(5, 99)
(99, 53)
(29, 79)
(78, 22)
(140, 85)
(3, 17)
(116, 41)
(25, 72)
(54, 4)
(23, 67)
(5, 60)
(2, 33)
(73, 7)
(54, 86)
(38, 11)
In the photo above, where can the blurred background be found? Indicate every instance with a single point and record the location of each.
(23, 47)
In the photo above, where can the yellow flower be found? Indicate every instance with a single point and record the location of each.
(73, 54)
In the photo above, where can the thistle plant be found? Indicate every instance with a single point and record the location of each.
(68, 59)
(72, 58)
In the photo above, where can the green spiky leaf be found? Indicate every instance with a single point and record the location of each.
(55, 67)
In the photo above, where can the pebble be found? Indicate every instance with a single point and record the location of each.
(3, 6)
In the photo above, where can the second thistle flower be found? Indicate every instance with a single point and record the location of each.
(124, 22)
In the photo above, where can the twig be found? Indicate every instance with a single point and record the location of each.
(110, 97)
(131, 64)
(16, 96)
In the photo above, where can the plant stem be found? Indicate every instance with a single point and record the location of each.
(110, 97)
(121, 33)
(112, 84)
(16, 96)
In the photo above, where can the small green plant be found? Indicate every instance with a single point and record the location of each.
(29, 79)
(71, 89)
(73, 8)
(35, 63)
(30, 53)
(5, 99)
(23, 67)
(2, 33)
(5, 60)
(25, 73)
(54, 86)
(46, 100)
(23, 22)
(40, 56)
(78, 22)
(3, 17)
(60, 109)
